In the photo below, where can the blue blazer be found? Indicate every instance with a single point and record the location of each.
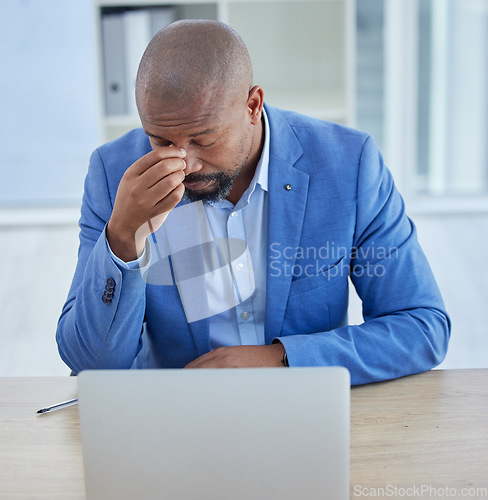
(342, 221)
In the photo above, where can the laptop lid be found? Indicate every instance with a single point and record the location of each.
(227, 434)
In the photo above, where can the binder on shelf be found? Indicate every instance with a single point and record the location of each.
(137, 33)
(140, 25)
(114, 64)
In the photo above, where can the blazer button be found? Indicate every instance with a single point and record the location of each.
(110, 287)
(108, 294)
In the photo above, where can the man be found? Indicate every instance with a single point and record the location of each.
(222, 234)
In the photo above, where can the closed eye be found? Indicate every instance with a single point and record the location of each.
(205, 145)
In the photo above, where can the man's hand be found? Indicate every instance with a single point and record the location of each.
(150, 188)
(241, 357)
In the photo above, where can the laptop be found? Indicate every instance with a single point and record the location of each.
(216, 434)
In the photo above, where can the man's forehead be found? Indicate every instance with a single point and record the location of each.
(193, 120)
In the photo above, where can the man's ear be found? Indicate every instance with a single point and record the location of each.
(255, 103)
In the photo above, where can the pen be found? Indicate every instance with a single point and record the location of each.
(59, 406)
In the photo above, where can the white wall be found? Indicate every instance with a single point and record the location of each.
(456, 246)
(37, 267)
(38, 263)
(49, 100)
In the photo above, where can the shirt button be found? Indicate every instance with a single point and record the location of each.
(245, 315)
(234, 214)
(240, 266)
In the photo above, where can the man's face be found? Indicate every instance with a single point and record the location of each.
(216, 137)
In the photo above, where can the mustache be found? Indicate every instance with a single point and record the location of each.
(196, 177)
(218, 176)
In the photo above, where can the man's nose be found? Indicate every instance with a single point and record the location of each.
(192, 164)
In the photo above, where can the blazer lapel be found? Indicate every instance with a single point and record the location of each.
(287, 191)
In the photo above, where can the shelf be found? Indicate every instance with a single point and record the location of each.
(325, 105)
(117, 125)
(418, 205)
(147, 3)
(320, 103)
(39, 216)
(302, 52)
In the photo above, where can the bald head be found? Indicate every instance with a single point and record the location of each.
(191, 60)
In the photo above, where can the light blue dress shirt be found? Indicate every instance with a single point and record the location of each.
(246, 221)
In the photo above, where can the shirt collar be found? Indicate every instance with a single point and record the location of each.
(261, 174)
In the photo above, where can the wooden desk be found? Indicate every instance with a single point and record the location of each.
(429, 429)
(425, 430)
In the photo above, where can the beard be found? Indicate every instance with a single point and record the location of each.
(223, 185)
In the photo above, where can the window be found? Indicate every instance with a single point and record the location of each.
(423, 92)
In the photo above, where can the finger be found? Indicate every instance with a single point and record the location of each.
(171, 200)
(161, 170)
(200, 364)
(202, 360)
(154, 157)
(159, 191)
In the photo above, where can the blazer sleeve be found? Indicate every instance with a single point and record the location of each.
(406, 328)
(101, 322)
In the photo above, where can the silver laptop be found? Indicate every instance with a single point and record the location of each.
(228, 434)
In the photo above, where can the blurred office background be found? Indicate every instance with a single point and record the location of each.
(412, 73)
